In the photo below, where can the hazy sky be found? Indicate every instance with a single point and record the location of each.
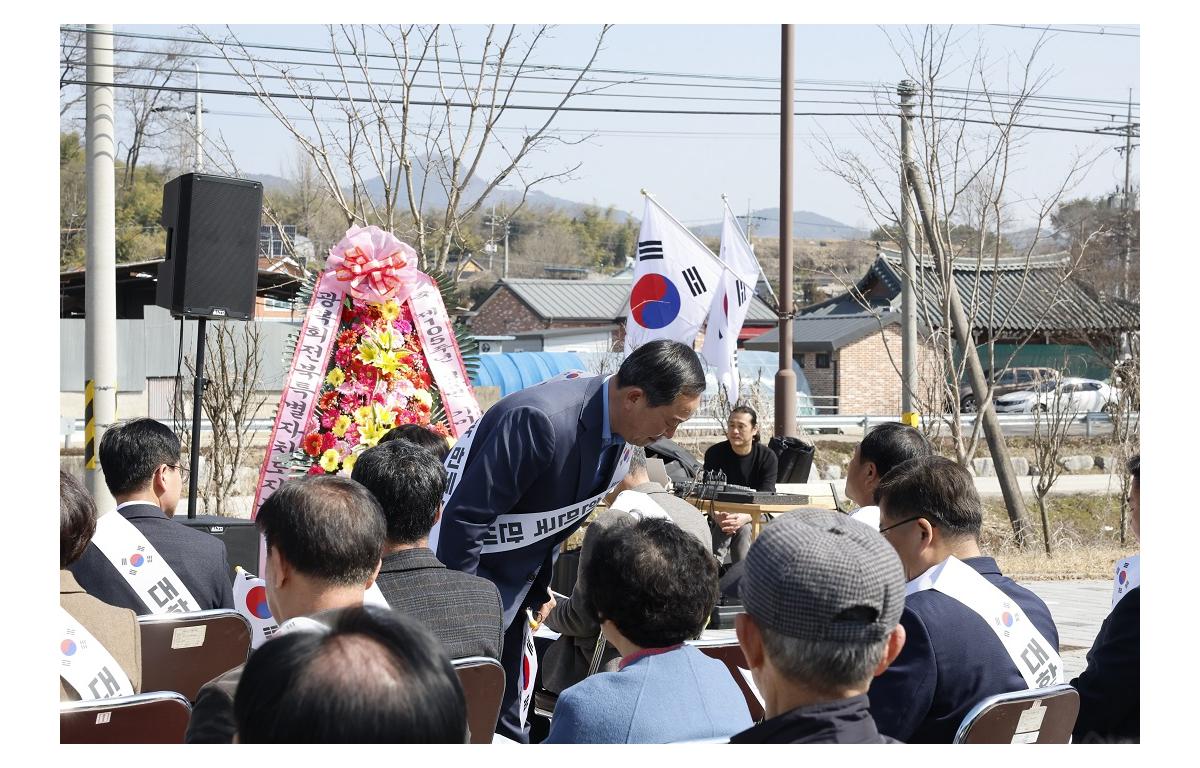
(688, 161)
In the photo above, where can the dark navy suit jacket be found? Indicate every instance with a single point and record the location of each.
(950, 661)
(1110, 687)
(196, 557)
(534, 451)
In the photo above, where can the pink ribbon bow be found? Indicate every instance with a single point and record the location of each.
(376, 265)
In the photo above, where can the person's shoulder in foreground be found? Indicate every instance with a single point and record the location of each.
(823, 596)
(1110, 687)
(677, 695)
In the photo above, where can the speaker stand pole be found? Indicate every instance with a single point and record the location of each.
(197, 399)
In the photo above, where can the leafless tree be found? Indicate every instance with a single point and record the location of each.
(968, 168)
(414, 110)
(148, 104)
(1051, 422)
(231, 399)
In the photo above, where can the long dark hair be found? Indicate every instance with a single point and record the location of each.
(743, 408)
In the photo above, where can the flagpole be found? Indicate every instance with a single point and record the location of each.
(699, 242)
(761, 273)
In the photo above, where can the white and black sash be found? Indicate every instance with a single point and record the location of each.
(1035, 658)
(142, 567)
(87, 665)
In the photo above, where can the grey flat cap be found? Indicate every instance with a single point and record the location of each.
(823, 576)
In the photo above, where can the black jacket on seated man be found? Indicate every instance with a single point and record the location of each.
(1109, 689)
(196, 557)
(847, 721)
(951, 660)
(463, 611)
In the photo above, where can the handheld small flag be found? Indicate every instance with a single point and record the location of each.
(250, 600)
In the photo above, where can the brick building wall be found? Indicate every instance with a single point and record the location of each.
(503, 313)
(868, 381)
(821, 382)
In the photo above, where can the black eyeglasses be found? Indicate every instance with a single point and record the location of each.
(183, 471)
(903, 522)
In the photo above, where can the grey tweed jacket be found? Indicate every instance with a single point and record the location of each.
(462, 610)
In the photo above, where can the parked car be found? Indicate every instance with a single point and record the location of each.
(1004, 382)
(1070, 394)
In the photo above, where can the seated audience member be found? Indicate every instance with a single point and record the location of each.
(418, 435)
(116, 629)
(373, 677)
(882, 448)
(745, 461)
(461, 609)
(653, 586)
(956, 607)
(323, 535)
(1109, 688)
(823, 597)
(568, 658)
(142, 469)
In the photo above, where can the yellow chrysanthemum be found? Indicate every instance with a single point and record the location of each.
(341, 425)
(422, 396)
(330, 460)
(348, 462)
(363, 416)
(390, 310)
(336, 377)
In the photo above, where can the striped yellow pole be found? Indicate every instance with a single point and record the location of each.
(912, 419)
(89, 425)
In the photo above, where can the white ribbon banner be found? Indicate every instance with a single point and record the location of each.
(142, 567)
(1036, 660)
(444, 357)
(86, 664)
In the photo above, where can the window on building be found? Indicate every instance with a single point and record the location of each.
(822, 360)
(800, 360)
(277, 304)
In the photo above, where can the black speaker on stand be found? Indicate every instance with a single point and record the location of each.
(211, 266)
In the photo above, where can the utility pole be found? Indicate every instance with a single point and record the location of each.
(961, 327)
(492, 239)
(785, 377)
(506, 228)
(1125, 200)
(100, 277)
(908, 311)
(199, 163)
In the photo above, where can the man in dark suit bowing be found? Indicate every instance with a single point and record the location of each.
(141, 559)
(525, 476)
(463, 611)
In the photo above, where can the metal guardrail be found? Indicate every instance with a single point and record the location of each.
(1089, 421)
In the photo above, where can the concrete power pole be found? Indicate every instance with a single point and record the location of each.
(100, 276)
(785, 377)
(1125, 200)
(966, 342)
(908, 310)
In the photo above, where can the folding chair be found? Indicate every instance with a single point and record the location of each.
(183, 651)
(728, 652)
(1037, 716)
(482, 680)
(145, 718)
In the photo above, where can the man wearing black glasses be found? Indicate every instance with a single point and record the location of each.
(971, 631)
(141, 559)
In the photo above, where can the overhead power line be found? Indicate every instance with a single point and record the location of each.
(1103, 30)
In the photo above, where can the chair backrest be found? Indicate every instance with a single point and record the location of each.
(183, 651)
(730, 654)
(482, 680)
(1037, 716)
(146, 718)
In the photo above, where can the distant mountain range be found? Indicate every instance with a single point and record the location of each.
(806, 225)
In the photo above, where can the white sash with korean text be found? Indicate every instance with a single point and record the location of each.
(140, 564)
(86, 664)
(1126, 578)
(518, 530)
(1035, 658)
(639, 505)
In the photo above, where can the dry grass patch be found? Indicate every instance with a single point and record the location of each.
(1084, 537)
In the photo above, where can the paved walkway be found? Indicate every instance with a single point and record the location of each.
(987, 486)
(1079, 608)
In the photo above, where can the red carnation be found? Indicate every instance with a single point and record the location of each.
(315, 469)
(328, 440)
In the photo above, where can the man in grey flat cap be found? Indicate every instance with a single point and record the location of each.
(823, 596)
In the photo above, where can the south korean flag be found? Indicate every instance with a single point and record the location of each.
(730, 305)
(673, 283)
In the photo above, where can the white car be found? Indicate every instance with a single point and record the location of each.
(1070, 393)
